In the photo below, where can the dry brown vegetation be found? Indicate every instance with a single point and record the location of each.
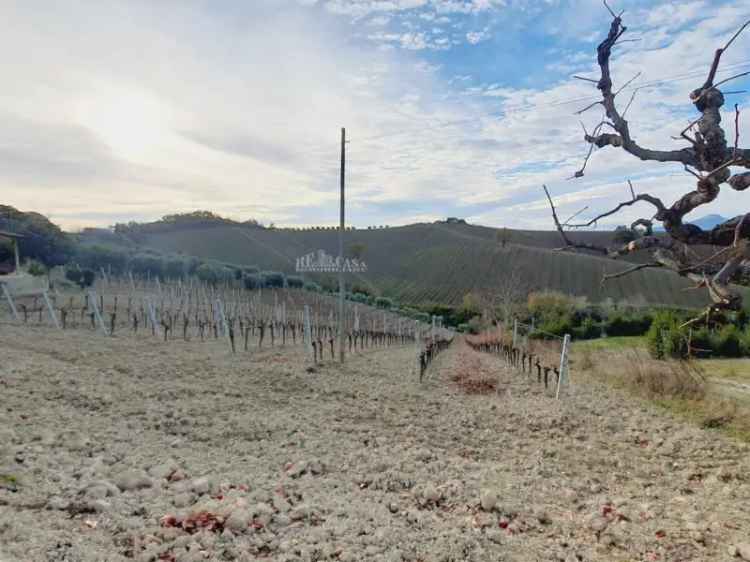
(681, 387)
(472, 379)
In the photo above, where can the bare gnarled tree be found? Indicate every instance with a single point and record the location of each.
(708, 157)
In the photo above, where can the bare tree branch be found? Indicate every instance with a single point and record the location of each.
(632, 99)
(736, 131)
(610, 9)
(580, 173)
(717, 57)
(684, 132)
(708, 159)
(574, 215)
(585, 109)
(642, 197)
(623, 139)
(627, 83)
(570, 245)
(738, 231)
(640, 266)
(740, 75)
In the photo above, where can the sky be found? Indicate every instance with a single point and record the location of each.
(112, 111)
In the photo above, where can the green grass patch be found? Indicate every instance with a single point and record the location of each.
(613, 343)
(732, 369)
(8, 481)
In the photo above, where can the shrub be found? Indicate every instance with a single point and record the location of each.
(361, 289)
(207, 273)
(37, 269)
(148, 264)
(701, 342)
(665, 338)
(588, 330)
(384, 302)
(423, 317)
(742, 319)
(360, 297)
(623, 235)
(618, 324)
(555, 326)
(175, 268)
(274, 279)
(727, 341)
(475, 325)
(95, 257)
(251, 282)
(312, 286)
(550, 304)
(81, 277)
(295, 282)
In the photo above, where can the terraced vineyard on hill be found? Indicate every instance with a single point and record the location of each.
(439, 262)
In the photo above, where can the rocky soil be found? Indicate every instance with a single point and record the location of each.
(127, 448)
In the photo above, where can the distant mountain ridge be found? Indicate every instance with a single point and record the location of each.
(706, 223)
(709, 221)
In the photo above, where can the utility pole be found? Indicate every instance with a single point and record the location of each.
(341, 249)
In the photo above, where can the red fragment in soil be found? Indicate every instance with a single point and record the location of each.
(660, 534)
(176, 475)
(503, 524)
(167, 557)
(607, 510)
(195, 522)
(257, 525)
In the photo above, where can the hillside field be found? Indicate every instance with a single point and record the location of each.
(440, 262)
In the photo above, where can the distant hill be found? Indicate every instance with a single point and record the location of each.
(706, 223)
(709, 221)
(42, 240)
(437, 262)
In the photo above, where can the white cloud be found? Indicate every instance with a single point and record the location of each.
(475, 37)
(240, 111)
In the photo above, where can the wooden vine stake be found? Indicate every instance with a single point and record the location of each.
(96, 313)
